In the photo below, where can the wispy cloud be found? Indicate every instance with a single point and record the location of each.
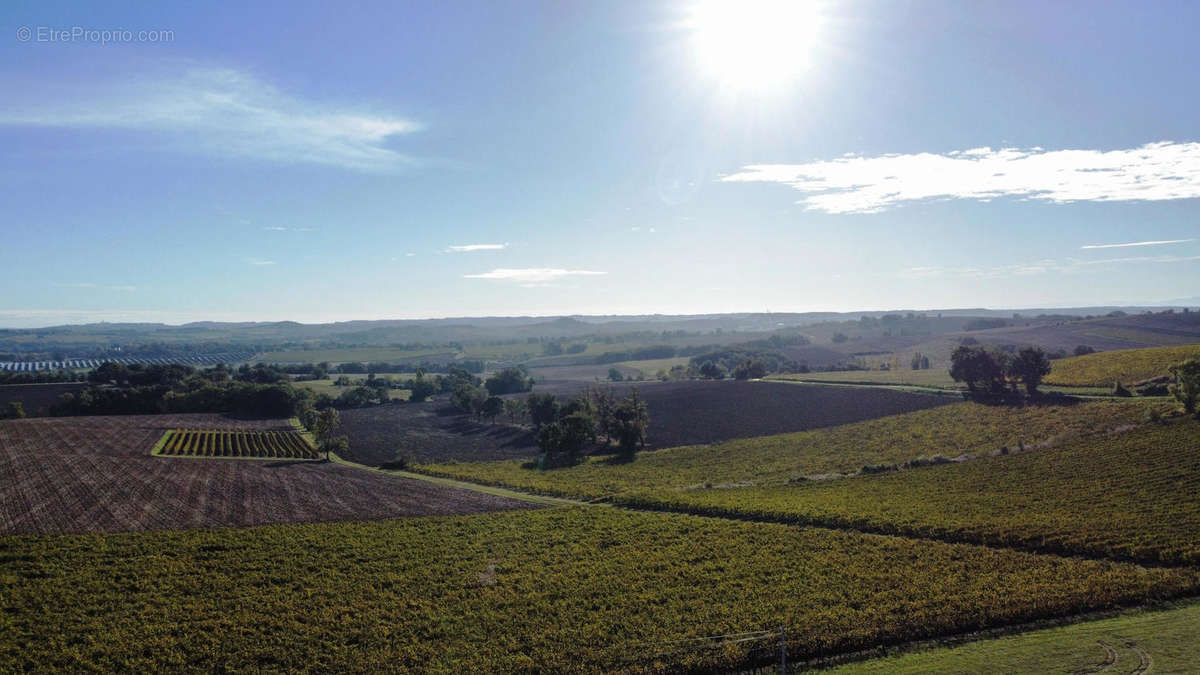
(259, 261)
(1140, 243)
(280, 228)
(858, 184)
(1033, 268)
(467, 248)
(227, 112)
(531, 275)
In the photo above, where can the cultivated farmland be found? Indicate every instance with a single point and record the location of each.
(950, 431)
(579, 589)
(96, 474)
(236, 444)
(1126, 366)
(1128, 496)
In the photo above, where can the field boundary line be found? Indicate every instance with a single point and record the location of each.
(465, 485)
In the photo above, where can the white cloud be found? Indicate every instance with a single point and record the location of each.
(857, 184)
(225, 112)
(1140, 243)
(1029, 269)
(276, 228)
(258, 261)
(531, 275)
(475, 247)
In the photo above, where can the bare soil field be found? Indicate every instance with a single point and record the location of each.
(429, 432)
(681, 413)
(95, 474)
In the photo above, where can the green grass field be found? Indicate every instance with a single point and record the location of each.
(952, 430)
(1164, 640)
(326, 386)
(650, 367)
(1125, 366)
(576, 589)
(1131, 496)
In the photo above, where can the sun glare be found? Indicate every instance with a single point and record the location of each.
(754, 45)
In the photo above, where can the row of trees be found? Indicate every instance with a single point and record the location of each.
(993, 371)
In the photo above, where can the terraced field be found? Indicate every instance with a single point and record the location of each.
(952, 430)
(579, 589)
(235, 444)
(1129, 496)
(1125, 366)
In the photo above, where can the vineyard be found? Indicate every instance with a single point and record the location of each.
(1129, 496)
(1126, 366)
(950, 431)
(580, 589)
(95, 474)
(235, 444)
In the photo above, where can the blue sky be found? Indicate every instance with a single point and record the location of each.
(302, 161)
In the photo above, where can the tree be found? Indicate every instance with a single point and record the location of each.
(750, 369)
(603, 404)
(615, 375)
(16, 410)
(712, 371)
(839, 338)
(543, 408)
(509, 381)
(1030, 365)
(563, 439)
(1186, 388)
(1081, 350)
(421, 388)
(515, 409)
(981, 369)
(629, 421)
(324, 425)
(492, 406)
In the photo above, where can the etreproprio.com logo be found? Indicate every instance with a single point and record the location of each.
(103, 36)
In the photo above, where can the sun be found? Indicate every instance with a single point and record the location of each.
(754, 45)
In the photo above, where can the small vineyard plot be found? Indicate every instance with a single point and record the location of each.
(235, 444)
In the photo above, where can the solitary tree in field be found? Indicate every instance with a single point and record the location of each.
(1186, 388)
(492, 407)
(326, 422)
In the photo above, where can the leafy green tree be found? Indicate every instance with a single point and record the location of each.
(1030, 365)
(492, 407)
(16, 410)
(981, 369)
(630, 418)
(615, 375)
(509, 381)
(325, 423)
(750, 369)
(543, 409)
(712, 371)
(421, 388)
(1186, 388)
(564, 439)
(515, 409)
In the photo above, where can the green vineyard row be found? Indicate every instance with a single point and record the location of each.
(579, 589)
(1128, 496)
(235, 444)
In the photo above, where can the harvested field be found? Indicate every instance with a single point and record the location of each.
(681, 413)
(699, 412)
(427, 432)
(95, 474)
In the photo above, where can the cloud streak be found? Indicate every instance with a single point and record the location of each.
(225, 112)
(531, 275)
(467, 248)
(1039, 267)
(858, 184)
(1140, 243)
